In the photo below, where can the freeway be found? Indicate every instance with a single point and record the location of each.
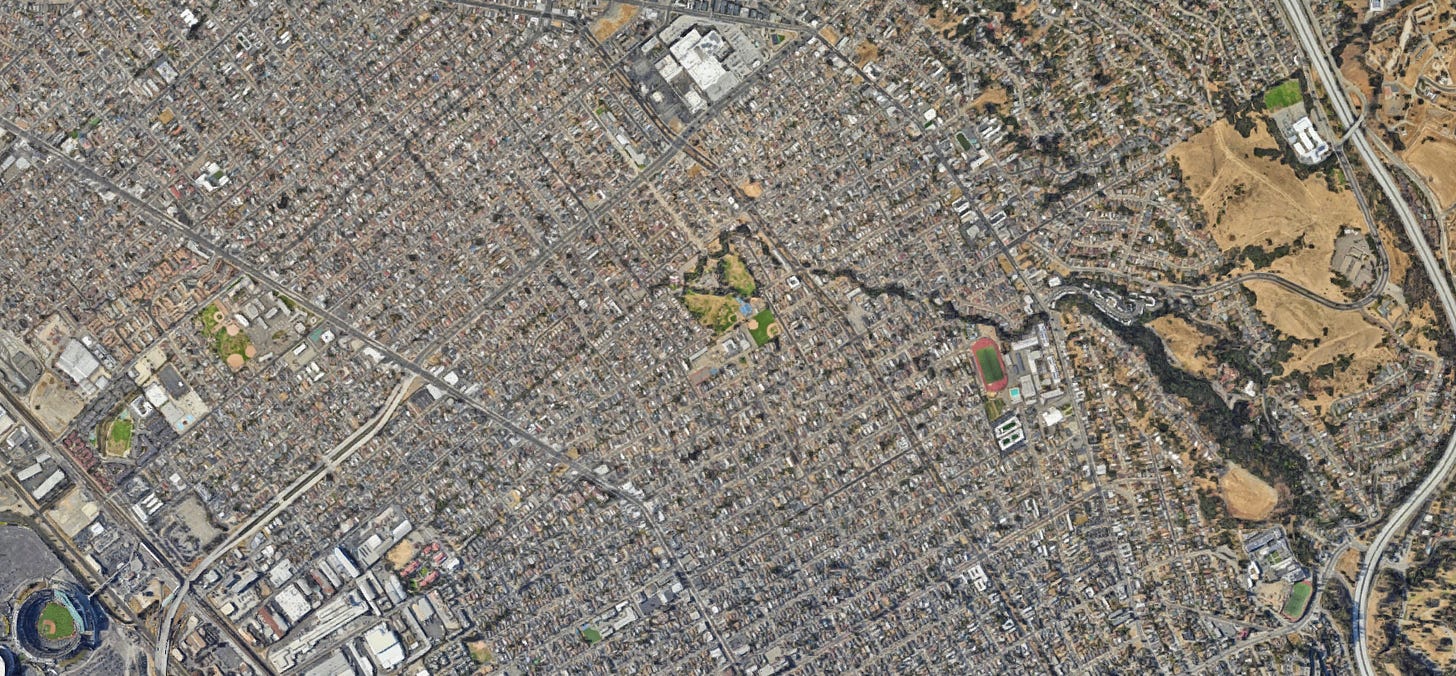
(167, 223)
(118, 515)
(1319, 57)
(280, 503)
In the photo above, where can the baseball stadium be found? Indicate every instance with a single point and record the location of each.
(57, 621)
(8, 665)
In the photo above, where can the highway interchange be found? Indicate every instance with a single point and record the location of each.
(414, 366)
(1318, 54)
(415, 372)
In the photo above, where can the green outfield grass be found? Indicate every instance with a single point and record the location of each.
(761, 334)
(1284, 95)
(56, 622)
(119, 436)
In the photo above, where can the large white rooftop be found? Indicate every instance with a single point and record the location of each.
(77, 362)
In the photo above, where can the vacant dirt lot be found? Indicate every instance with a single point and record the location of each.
(1250, 200)
(1349, 565)
(1435, 161)
(865, 52)
(53, 404)
(616, 16)
(1183, 342)
(994, 95)
(400, 554)
(1247, 497)
(942, 19)
(1352, 67)
(1339, 333)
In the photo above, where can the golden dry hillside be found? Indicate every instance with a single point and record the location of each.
(1251, 200)
(1247, 496)
(1343, 338)
(1184, 343)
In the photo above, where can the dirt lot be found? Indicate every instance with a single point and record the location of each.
(74, 512)
(1435, 160)
(1339, 333)
(53, 404)
(1183, 342)
(616, 16)
(1247, 497)
(995, 95)
(1352, 67)
(941, 19)
(1271, 594)
(1250, 200)
(400, 554)
(865, 52)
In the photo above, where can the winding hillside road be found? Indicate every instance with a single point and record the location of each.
(1317, 52)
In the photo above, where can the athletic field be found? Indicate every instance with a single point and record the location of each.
(989, 365)
(1283, 96)
(1298, 600)
(56, 622)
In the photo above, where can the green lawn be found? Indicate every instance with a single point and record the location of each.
(590, 635)
(208, 316)
(994, 407)
(222, 344)
(735, 274)
(719, 313)
(965, 143)
(1298, 599)
(1284, 95)
(61, 617)
(990, 364)
(119, 436)
(121, 431)
(765, 320)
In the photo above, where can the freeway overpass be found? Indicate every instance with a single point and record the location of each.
(1318, 54)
